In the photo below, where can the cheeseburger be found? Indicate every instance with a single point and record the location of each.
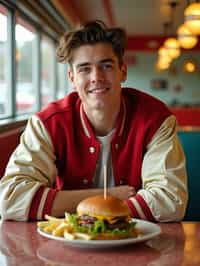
(103, 218)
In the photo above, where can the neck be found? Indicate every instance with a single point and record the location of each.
(103, 120)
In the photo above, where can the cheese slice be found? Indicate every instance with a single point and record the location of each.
(110, 219)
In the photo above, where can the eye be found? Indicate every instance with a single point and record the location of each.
(106, 66)
(84, 69)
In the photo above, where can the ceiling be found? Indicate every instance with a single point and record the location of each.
(143, 20)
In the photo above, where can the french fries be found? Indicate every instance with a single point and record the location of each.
(61, 228)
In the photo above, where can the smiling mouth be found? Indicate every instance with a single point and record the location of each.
(98, 90)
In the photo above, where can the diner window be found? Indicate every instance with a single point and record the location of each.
(47, 70)
(62, 80)
(25, 68)
(4, 75)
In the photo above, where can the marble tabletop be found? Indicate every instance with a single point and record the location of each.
(178, 244)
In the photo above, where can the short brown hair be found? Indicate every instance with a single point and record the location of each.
(91, 33)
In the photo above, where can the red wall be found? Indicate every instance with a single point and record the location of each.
(187, 116)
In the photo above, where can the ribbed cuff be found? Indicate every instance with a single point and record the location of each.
(42, 203)
(141, 209)
(145, 208)
(133, 210)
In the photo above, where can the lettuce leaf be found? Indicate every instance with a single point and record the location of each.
(98, 227)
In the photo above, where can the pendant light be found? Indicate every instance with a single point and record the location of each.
(173, 47)
(164, 60)
(162, 51)
(163, 57)
(162, 64)
(186, 38)
(192, 17)
(189, 66)
(171, 44)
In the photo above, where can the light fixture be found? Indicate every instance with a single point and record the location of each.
(171, 44)
(163, 62)
(162, 66)
(173, 47)
(162, 51)
(192, 17)
(186, 38)
(163, 55)
(189, 66)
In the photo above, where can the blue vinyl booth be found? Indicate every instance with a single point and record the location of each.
(191, 144)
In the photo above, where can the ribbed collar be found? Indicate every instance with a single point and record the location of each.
(87, 127)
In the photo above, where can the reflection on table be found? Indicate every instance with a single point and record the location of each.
(178, 244)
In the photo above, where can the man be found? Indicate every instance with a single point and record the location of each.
(64, 148)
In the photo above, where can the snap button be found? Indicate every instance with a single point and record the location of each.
(85, 181)
(92, 149)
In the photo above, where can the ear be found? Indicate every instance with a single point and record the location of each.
(70, 75)
(123, 72)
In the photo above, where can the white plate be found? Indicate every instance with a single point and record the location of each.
(148, 230)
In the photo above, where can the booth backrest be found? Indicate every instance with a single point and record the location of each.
(191, 144)
(8, 142)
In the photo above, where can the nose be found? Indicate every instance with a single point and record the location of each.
(97, 74)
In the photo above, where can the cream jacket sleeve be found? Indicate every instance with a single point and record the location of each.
(31, 165)
(164, 193)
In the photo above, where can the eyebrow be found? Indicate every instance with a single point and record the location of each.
(107, 60)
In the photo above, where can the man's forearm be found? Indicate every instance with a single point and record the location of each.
(67, 200)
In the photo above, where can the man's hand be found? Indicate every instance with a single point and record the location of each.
(122, 192)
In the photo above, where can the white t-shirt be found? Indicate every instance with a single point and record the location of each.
(104, 159)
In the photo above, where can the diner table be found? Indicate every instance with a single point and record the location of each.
(178, 244)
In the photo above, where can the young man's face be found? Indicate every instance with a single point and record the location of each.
(97, 76)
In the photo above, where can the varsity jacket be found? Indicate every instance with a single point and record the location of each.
(77, 149)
